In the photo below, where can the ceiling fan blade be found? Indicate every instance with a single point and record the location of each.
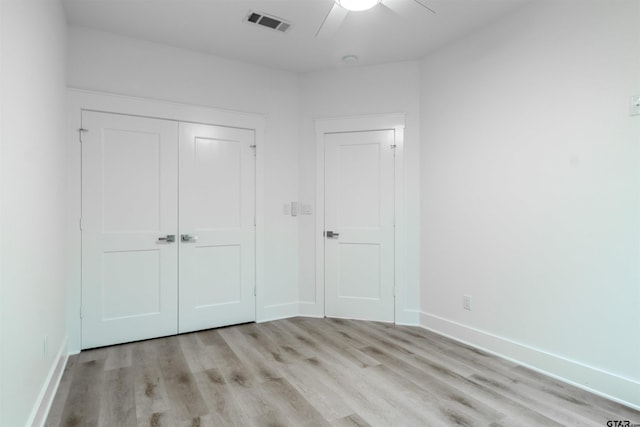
(424, 5)
(332, 22)
(408, 8)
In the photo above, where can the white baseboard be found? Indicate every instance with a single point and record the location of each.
(278, 311)
(606, 384)
(48, 392)
(408, 317)
(310, 309)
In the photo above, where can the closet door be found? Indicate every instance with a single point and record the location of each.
(129, 215)
(217, 226)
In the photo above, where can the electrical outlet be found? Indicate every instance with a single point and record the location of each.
(466, 303)
(635, 105)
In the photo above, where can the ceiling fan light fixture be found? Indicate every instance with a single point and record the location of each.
(350, 59)
(357, 5)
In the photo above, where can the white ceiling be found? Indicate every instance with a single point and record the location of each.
(217, 27)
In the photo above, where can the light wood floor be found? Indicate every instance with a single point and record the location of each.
(315, 372)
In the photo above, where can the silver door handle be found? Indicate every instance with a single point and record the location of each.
(169, 238)
(331, 234)
(188, 238)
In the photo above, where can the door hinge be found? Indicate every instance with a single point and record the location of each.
(255, 291)
(255, 149)
(254, 220)
(81, 312)
(80, 223)
(80, 132)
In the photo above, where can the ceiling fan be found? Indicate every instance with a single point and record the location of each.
(341, 9)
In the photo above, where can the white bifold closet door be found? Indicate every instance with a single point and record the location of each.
(167, 228)
(359, 225)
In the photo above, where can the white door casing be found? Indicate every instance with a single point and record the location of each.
(395, 122)
(80, 101)
(168, 227)
(359, 207)
(129, 202)
(217, 226)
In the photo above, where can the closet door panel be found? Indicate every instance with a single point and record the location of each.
(217, 214)
(129, 207)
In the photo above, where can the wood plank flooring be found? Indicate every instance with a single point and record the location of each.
(315, 372)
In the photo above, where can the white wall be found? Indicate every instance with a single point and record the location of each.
(530, 191)
(104, 62)
(357, 91)
(523, 190)
(32, 203)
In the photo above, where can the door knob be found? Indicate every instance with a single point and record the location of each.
(169, 238)
(331, 234)
(188, 238)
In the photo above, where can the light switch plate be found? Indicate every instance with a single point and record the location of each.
(466, 302)
(635, 105)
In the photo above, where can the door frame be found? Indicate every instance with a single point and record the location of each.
(395, 122)
(79, 100)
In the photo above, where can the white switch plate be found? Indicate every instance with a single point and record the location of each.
(635, 105)
(294, 208)
(467, 302)
(306, 209)
(286, 209)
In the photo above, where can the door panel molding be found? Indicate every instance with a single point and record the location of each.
(395, 122)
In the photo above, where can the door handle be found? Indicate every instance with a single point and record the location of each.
(169, 238)
(331, 234)
(188, 238)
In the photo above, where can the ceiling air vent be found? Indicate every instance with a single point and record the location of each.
(268, 21)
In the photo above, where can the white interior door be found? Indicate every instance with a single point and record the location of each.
(217, 226)
(359, 225)
(129, 208)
